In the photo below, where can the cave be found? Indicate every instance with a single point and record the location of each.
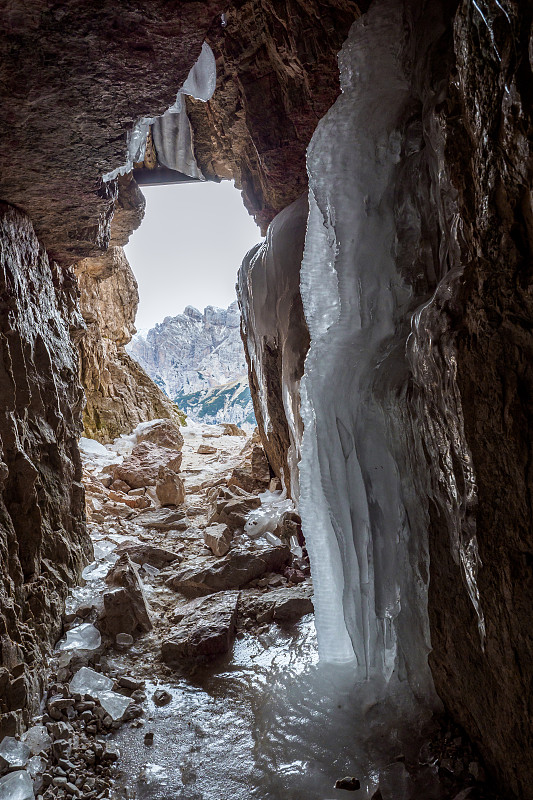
(384, 150)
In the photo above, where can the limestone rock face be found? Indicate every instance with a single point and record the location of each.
(277, 75)
(43, 541)
(119, 393)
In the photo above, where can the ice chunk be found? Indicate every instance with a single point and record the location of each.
(16, 786)
(81, 637)
(35, 767)
(114, 703)
(37, 738)
(364, 546)
(13, 753)
(87, 681)
(268, 516)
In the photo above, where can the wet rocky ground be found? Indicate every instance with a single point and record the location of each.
(188, 666)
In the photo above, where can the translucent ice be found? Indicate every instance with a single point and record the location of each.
(16, 786)
(37, 738)
(81, 637)
(268, 516)
(13, 753)
(87, 681)
(114, 703)
(269, 295)
(368, 569)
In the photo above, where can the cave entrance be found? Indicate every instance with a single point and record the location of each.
(185, 257)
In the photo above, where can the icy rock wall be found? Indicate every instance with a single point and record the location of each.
(43, 541)
(363, 275)
(276, 338)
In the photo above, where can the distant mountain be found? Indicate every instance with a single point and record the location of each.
(197, 359)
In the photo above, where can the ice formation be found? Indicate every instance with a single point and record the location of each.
(172, 131)
(268, 290)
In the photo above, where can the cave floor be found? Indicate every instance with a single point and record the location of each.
(263, 721)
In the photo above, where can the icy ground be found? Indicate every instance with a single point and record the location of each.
(264, 721)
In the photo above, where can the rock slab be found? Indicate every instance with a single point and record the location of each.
(208, 630)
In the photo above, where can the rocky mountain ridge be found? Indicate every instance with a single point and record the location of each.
(197, 359)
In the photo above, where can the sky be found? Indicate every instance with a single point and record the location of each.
(189, 247)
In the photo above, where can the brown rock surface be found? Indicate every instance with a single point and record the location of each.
(277, 75)
(141, 468)
(118, 391)
(218, 538)
(43, 541)
(126, 607)
(169, 487)
(91, 71)
(489, 320)
(206, 628)
(196, 577)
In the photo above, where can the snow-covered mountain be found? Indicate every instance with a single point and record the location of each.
(198, 360)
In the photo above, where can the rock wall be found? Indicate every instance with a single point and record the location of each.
(488, 155)
(276, 77)
(119, 394)
(43, 542)
(75, 78)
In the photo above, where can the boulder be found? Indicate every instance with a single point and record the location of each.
(169, 488)
(230, 508)
(157, 557)
(163, 519)
(206, 450)
(230, 429)
(141, 468)
(218, 538)
(164, 433)
(282, 605)
(126, 608)
(120, 486)
(206, 629)
(195, 578)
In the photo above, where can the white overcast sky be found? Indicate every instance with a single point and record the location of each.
(189, 248)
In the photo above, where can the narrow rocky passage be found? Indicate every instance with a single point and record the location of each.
(189, 667)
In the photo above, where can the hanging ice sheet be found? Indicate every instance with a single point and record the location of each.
(200, 84)
(368, 570)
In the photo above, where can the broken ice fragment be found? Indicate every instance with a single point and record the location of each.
(13, 753)
(82, 637)
(37, 739)
(114, 703)
(16, 786)
(87, 681)
(272, 539)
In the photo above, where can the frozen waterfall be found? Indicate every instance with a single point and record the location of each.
(358, 531)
